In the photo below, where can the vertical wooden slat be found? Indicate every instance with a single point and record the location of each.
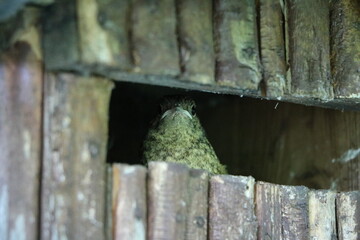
(268, 210)
(197, 220)
(295, 212)
(129, 206)
(155, 48)
(348, 215)
(21, 85)
(196, 40)
(75, 136)
(322, 219)
(273, 47)
(231, 208)
(167, 200)
(345, 47)
(308, 50)
(236, 44)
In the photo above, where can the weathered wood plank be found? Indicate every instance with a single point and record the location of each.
(273, 47)
(231, 208)
(345, 48)
(295, 212)
(348, 215)
(21, 81)
(154, 40)
(167, 200)
(129, 206)
(95, 35)
(236, 44)
(322, 219)
(268, 210)
(197, 220)
(308, 50)
(196, 40)
(75, 131)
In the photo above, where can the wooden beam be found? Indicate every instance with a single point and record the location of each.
(196, 40)
(129, 202)
(345, 48)
(308, 49)
(73, 177)
(155, 47)
(272, 42)
(21, 87)
(236, 44)
(348, 215)
(231, 208)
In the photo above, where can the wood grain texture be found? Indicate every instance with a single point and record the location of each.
(308, 48)
(268, 210)
(348, 215)
(167, 200)
(21, 86)
(236, 44)
(129, 202)
(73, 178)
(322, 215)
(195, 28)
(154, 39)
(231, 208)
(197, 219)
(295, 212)
(272, 41)
(345, 48)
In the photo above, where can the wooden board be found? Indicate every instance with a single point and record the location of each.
(268, 210)
(348, 215)
(167, 200)
(21, 87)
(236, 44)
(196, 40)
(308, 50)
(295, 212)
(273, 47)
(129, 202)
(73, 173)
(231, 208)
(345, 48)
(154, 39)
(197, 219)
(322, 218)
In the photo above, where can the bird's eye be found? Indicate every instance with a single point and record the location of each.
(193, 110)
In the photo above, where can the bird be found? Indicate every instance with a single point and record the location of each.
(176, 135)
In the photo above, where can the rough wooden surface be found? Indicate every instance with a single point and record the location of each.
(348, 215)
(231, 208)
(197, 219)
(295, 212)
(73, 173)
(129, 202)
(155, 47)
(322, 218)
(21, 80)
(273, 47)
(308, 48)
(167, 200)
(236, 42)
(196, 40)
(345, 48)
(268, 210)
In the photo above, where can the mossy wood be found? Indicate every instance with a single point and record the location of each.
(73, 172)
(348, 215)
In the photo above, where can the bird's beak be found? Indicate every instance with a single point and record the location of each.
(177, 109)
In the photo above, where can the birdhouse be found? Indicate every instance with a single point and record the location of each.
(89, 149)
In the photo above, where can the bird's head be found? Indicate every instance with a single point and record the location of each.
(177, 109)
